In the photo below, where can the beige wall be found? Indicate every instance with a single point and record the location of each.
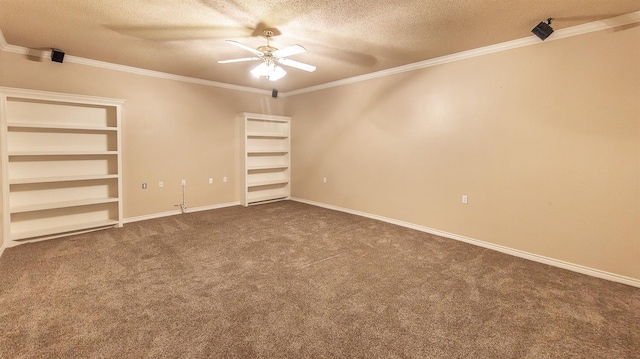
(171, 130)
(545, 141)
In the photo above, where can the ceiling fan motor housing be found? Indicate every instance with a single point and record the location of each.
(267, 49)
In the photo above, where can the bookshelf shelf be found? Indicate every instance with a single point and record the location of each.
(61, 163)
(265, 154)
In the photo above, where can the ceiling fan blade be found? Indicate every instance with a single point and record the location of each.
(289, 51)
(297, 65)
(250, 49)
(238, 60)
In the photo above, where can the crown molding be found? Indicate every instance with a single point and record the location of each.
(599, 25)
(605, 24)
(163, 75)
(4, 46)
(3, 41)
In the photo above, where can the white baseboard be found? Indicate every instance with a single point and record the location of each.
(213, 206)
(136, 219)
(177, 211)
(151, 216)
(514, 252)
(15, 243)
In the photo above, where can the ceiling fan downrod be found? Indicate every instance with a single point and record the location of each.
(267, 50)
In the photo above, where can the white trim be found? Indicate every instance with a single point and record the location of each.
(163, 75)
(262, 116)
(613, 22)
(504, 46)
(59, 96)
(177, 211)
(604, 24)
(151, 216)
(19, 50)
(3, 41)
(15, 243)
(213, 206)
(4, 46)
(9, 244)
(514, 252)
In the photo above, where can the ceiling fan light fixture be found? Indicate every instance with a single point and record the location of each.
(270, 57)
(260, 70)
(277, 74)
(268, 70)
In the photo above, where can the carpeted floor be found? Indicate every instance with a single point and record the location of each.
(291, 280)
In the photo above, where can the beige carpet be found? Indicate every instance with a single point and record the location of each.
(292, 280)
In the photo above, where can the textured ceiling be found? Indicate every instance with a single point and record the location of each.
(343, 38)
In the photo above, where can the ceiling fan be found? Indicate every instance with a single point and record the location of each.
(270, 57)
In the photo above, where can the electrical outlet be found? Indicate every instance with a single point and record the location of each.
(465, 199)
(210, 180)
(324, 179)
(224, 179)
(144, 186)
(160, 184)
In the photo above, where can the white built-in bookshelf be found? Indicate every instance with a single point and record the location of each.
(61, 164)
(265, 158)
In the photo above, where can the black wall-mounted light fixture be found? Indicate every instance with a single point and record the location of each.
(57, 55)
(543, 30)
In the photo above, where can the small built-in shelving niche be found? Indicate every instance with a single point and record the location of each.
(61, 164)
(265, 157)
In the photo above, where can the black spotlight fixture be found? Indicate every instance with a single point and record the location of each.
(57, 55)
(543, 30)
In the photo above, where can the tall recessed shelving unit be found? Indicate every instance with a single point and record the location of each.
(265, 158)
(61, 164)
